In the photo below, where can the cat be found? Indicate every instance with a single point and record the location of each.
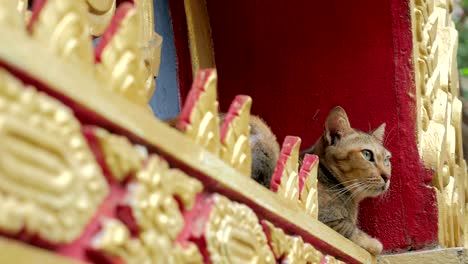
(264, 148)
(265, 151)
(353, 165)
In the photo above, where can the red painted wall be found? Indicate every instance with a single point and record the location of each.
(298, 59)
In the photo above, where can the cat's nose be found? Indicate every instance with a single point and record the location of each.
(385, 177)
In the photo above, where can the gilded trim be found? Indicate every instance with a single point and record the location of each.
(15, 252)
(199, 35)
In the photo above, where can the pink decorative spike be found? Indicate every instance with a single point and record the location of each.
(308, 185)
(235, 133)
(120, 61)
(285, 180)
(112, 29)
(199, 117)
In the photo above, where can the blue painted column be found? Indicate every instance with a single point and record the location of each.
(165, 101)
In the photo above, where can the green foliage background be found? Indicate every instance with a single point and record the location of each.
(461, 22)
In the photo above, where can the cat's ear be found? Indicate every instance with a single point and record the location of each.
(379, 132)
(336, 125)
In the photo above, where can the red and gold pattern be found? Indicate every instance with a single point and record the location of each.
(235, 133)
(289, 248)
(439, 115)
(199, 118)
(308, 185)
(121, 159)
(233, 234)
(90, 192)
(299, 188)
(285, 180)
(62, 27)
(50, 184)
(151, 211)
(120, 61)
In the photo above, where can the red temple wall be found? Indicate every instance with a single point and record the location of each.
(299, 59)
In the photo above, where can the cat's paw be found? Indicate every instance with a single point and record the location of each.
(372, 245)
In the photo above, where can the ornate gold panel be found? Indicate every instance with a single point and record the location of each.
(439, 115)
(150, 247)
(121, 157)
(50, 184)
(292, 249)
(152, 199)
(234, 234)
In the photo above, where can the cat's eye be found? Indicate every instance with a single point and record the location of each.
(387, 161)
(367, 154)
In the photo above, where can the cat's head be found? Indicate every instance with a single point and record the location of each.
(357, 159)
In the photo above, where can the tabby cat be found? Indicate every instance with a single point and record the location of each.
(353, 165)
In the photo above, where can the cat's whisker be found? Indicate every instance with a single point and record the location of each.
(356, 194)
(339, 194)
(342, 184)
(349, 189)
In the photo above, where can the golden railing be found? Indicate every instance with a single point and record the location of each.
(79, 148)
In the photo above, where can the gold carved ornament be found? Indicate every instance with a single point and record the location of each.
(232, 234)
(12, 13)
(150, 42)
(235, 135)
(199, 118)
(152, 200)
(291, 249)
(230, 231)
(61, 26)
(127, 57)
(439, 115)
(308, 185)
(120, 62)
(59, 186)
(100, 13)
(120, 156)
(297, 187)
(285, 179)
